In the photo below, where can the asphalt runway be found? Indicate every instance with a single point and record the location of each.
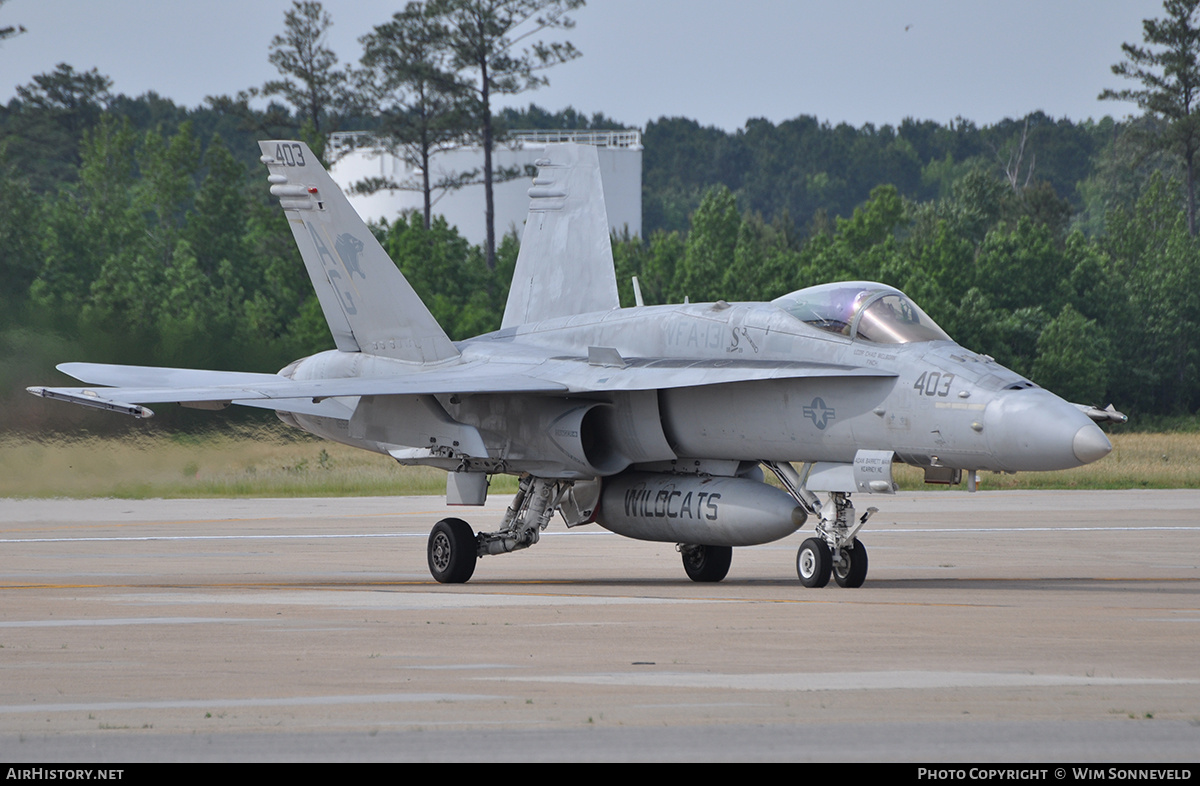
(997, 626)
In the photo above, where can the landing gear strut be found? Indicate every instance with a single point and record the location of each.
(836, 550)
(838, 529)
(454, 548)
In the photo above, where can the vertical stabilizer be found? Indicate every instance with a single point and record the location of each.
(565, 266)
(369, 305)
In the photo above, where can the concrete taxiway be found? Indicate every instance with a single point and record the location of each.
(993, 626)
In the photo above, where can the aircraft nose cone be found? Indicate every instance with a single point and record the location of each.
(1035, 430)
(1090, 444)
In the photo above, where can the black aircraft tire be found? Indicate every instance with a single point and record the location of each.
(814, 563)
(853, 572)
(707, 563)
(451, 551)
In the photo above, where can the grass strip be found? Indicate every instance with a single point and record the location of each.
(263, 461)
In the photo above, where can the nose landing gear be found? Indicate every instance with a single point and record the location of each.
(835, 551)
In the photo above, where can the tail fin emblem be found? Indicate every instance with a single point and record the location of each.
(349, 248)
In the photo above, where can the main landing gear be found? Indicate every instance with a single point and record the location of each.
(453, 548)
(835, 551)
(452, 551)
(706, 563)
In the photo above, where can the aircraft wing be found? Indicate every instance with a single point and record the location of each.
(126, 388)
(129, 386)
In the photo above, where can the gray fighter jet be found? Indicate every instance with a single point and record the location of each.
(654, 422)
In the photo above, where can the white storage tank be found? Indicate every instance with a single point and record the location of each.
(357, 156)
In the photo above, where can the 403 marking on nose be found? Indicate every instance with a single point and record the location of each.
(933, 383)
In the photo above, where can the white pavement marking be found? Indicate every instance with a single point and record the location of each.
(863, 680)
(378, 599)
(223, 703)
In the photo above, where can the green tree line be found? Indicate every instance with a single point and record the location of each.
(1099, 319)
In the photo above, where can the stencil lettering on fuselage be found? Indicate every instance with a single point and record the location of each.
(696, 335)
(671, 504)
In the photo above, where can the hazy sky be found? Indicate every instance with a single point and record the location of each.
(719, 62)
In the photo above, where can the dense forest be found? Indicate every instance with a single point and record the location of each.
(133, 230)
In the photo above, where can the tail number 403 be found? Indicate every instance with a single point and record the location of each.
(289, 155)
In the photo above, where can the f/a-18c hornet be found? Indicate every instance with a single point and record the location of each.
(654, 422)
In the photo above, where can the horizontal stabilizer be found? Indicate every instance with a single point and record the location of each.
(113, 375)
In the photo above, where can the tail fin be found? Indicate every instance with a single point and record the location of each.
(565, 266)
(369, 305)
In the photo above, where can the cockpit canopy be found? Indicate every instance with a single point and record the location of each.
(862, 309)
